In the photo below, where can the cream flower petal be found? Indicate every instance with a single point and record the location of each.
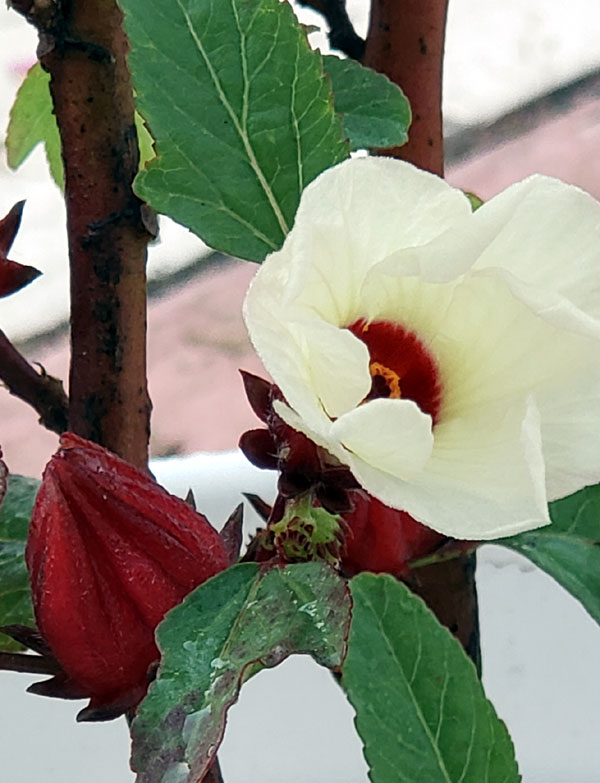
(570, 434)
(339, 366)
(518, 352)
(483, 481)
(505, 302)
(395, 435)
(383, 204)
(493, 347)
(278, 344)
(338, 235)
(547, 234)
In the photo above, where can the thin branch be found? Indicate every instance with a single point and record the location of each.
(44, 393)
(342, 34)
(28, 664)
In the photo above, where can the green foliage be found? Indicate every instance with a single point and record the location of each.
(241, 114)
(32, 122)
(420, 708)
(145, 141)
(569, 548)
(237, 623)
(15, 513)
(474, 200)
(375, 111)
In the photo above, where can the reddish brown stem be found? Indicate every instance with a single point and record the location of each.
(44, 393)
(449, 588)
(28, 664)
(406, 42)
(214, 774)
(83, 47)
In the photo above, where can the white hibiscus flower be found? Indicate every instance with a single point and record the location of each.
(450, 359)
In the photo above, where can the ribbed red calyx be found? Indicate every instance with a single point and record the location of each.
(109, 553)
(400, 365)
(384, 540)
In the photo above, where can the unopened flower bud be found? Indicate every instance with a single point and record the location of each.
(109, 553)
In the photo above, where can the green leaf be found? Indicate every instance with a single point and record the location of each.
(237, 623)
(375, 111)
(569, 548)
(420, 708)
(145, 141)
(474, 200)
(241, 114)
(32, 122)
(15, 513)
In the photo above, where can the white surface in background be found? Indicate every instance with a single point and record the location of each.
(293, 725)
(497, 56)
(502, 54)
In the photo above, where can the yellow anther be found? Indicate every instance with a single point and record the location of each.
(391, 378)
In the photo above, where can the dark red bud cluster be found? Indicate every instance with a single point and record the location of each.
(109, 553)
(303, 466)
(13, 276)
(377, 538)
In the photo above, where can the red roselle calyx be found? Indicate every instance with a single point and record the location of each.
(384, 540)
(375, 537)
(109, 553)
(13, 276)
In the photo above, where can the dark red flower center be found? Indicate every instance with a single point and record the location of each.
(400, 365)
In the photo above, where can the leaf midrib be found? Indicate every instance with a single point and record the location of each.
(242, 132)
(418, 711)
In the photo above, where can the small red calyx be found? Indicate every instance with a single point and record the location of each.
(384, 540)
(109, 553)
(400, 365)
(13, 276)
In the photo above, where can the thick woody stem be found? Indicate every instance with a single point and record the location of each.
(44, 393)
(406, 42)
(83, 47)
